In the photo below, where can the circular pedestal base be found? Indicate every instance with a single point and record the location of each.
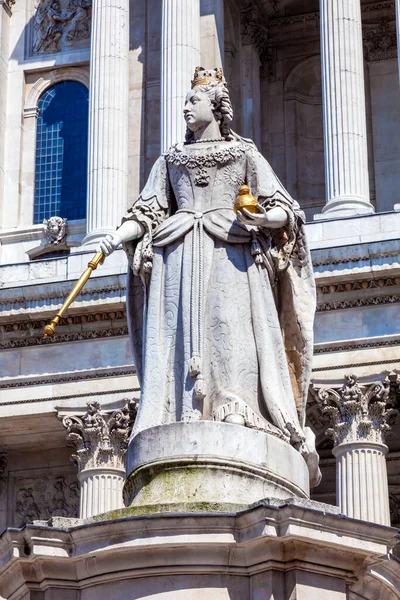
(208, 462)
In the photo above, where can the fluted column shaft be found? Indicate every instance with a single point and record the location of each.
(108, 117)
(345, 128)
(361, 481)
(100, 491)
(398, 32)
(180, 56)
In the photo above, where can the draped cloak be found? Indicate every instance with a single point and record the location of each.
(220, 314)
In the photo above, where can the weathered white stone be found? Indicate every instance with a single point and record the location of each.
(101, 440)
(280, 550)
(361, 416)
(210, 462)
(108, 117)
(179, 57)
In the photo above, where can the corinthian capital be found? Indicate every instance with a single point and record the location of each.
(361, 413)
(101, 438)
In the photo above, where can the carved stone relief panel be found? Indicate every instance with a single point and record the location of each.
(58, 25)
(43, 496)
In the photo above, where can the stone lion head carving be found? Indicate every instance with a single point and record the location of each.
(55, 229)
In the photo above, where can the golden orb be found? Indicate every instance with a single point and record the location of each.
(245, 200)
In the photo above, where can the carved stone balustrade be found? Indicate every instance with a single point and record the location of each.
(361, 416)
(101, 442)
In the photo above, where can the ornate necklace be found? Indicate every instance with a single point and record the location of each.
(207, 141)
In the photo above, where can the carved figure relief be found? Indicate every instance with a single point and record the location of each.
(55, 230)
(39, 498)
(59, 25)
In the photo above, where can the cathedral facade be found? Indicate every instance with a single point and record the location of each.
(90, 94)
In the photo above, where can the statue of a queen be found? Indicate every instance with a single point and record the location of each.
(220, 304)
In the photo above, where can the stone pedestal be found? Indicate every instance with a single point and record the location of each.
(108, 118)
(180, 56)
(361, 416)
(211, 464)
(101, 440)
(345, 129)
(299, 550)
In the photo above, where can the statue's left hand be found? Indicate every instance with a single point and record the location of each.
(273, 219)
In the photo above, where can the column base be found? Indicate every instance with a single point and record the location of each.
(340, 208)
(210, 463)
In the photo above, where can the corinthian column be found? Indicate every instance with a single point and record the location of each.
(180, 56)
(108, 117)
(361, 416)
(345, 129)
(101, 441)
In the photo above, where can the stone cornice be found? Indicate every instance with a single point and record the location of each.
(71, 376)
(71, 328)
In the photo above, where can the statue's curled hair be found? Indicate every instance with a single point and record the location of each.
(222, 107)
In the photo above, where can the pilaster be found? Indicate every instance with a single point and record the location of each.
(361, 416)
(101, 442)
(345, 129)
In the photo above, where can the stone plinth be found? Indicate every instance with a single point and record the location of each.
(299, 550)
(361, 416)
(208, 462)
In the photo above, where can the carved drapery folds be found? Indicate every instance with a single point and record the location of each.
(101, 439)
(60, 25)
(361, 413)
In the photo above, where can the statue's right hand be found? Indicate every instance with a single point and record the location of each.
(109, 243)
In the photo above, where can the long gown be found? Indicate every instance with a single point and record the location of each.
(220, 314)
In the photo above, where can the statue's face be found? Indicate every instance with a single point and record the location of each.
(198, 110)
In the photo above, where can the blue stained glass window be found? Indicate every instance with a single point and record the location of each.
(61, 152)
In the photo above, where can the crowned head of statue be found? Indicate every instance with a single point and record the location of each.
(208, 107)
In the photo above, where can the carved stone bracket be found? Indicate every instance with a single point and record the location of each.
(360, 413)
(101, 439)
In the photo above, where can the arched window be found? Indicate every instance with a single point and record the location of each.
(61, 152)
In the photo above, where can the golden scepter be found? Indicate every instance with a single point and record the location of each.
(92, 265)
